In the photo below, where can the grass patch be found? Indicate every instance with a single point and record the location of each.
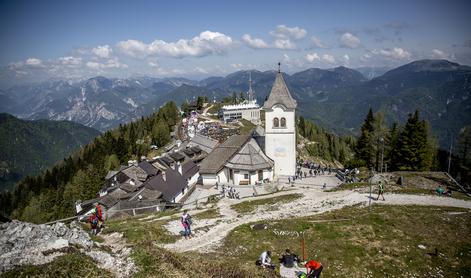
(247, 128)
(382, 243)
(73, 264)
(249, 206)
(208, 214)
(136, 231)
(350, 186)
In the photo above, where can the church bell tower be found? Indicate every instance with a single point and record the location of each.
(280, 127)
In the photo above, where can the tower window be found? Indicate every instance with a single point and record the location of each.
(283, 122)
(276, 122)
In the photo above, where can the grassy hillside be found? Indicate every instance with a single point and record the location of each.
(29, 147)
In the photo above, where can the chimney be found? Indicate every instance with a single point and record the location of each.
(164, 176)
(179, 167)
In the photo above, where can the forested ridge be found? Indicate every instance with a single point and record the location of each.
(51, 195)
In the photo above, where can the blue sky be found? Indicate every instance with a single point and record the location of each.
(76, 39)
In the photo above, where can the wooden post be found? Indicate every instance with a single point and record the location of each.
(303, 251)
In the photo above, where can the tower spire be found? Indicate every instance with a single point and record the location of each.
(250, 92)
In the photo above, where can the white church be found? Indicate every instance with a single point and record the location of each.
(263, 155)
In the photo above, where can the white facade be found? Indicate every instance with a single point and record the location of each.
(248, 111)
(239, 177)
(280, 141)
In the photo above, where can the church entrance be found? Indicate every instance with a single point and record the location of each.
(260, 175)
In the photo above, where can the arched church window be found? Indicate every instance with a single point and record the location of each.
(283, 122)
(276, 122)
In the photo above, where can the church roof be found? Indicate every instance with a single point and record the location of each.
(280, 94)
(250, 158)
(216, 159)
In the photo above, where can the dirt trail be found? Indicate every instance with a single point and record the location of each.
(314, 201)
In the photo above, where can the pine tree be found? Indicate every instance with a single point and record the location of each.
(415, 148)
(364, 148)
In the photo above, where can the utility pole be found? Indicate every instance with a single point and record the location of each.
(371, 181)
(382, 153)
(449, 157)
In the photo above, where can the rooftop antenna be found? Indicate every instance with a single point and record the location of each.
(279, 67)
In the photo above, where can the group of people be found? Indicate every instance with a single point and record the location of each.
(96, 220)
(231, 192)
(288, 259)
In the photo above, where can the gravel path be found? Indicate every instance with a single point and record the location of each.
(314, 201)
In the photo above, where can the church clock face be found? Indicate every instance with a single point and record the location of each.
(280, 151)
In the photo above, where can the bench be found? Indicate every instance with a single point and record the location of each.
(244, 182)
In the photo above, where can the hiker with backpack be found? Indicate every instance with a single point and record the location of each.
(99, 215)
(186, 223)
(93, 220)
(380, 191)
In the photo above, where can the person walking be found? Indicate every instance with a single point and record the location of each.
(380, 191)
(186, 223)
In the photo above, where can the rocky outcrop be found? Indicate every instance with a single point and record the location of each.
(23, 243)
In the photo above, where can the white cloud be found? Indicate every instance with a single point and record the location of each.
(111, 63)
(254, 42)
(284, 44)
(312, 57)
(349, 40)
(102, 51)
(396, 53)
(33, 62)
(346, 58)
(204, 44)
(328, 58)
(317, 43)
(70, 61)
(200, 70)
(438, 54)
(285, 32)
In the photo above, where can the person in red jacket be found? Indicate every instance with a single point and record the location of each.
(313, 269)
(93, 220)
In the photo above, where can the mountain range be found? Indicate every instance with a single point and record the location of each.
(29, 147)
(337, 99)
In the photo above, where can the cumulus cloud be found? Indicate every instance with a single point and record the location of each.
(254, 42)
(346, 58)
(395, 53)
(70, 61)
(204, 44)
(33, 62)
(102, 51)
(317, 43)
(349, 40)
(312, 57)
(328, 58)
(110, 64)
(284, 44)
(285, 32)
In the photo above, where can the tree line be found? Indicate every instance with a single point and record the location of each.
(410, 147)
(325, 145)
(51, 195)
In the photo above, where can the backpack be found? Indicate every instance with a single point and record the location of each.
(188, 220)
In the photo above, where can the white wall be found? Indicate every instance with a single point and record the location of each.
(193, 179)
(280, 143)
(209, 179)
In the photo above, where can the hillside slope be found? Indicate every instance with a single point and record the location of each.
(29, 147)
